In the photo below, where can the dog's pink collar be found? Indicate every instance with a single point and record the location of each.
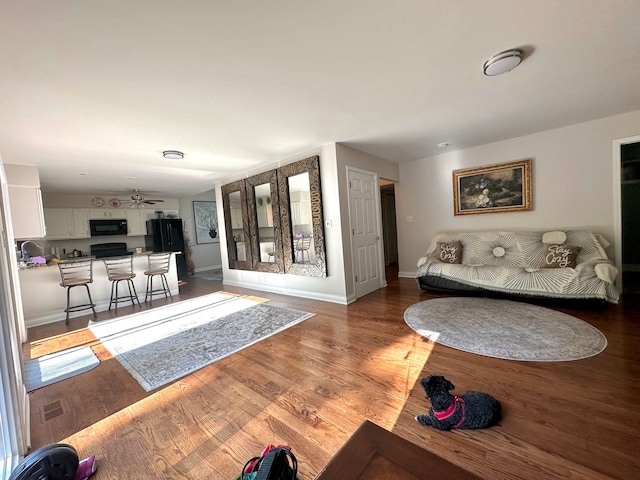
(442, 415)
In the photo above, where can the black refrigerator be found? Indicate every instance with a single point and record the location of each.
(165, 235)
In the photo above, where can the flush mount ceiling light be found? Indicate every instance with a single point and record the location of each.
(173, 154)
(502, 62)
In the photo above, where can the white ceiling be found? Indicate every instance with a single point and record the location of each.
(103, 87)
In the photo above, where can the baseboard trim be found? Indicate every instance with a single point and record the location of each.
(288, 291)
(208, 269)
(407, 274)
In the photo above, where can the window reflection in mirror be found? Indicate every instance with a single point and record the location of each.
(240, 245)
(264, 215)
(301, 219)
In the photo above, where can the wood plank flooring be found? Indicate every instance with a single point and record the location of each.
(312, 385)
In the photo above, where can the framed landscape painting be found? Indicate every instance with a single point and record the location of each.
(504, 187)
(206, 222)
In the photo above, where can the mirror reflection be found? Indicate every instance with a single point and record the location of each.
(239, 246)
(264, 215)
(301, 219)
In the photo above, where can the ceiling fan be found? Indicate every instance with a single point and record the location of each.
(138, 200)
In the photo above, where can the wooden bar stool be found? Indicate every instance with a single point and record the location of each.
(119, 269)
(73, 275)
(158, 266)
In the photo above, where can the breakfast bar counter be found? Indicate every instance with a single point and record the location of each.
(44, 300)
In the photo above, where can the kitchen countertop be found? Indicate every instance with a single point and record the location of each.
(39, 266)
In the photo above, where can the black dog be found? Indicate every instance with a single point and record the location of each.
(471, 410)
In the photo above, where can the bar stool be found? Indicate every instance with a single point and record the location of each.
(73, 275)
(302, 246)
(119, 269)
(158, 266)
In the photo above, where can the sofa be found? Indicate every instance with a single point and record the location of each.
(551, 264)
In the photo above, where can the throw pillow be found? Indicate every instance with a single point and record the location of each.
(560, 256)
(449, 252)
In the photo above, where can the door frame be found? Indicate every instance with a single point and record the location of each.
(617, 202)
(378, 214)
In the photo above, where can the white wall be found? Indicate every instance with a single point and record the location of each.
(331, 288)
(350, 157)
(205, 256)
(573, 185)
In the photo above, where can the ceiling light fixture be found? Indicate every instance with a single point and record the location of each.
(443, 145)
(173, 154)
(502, 62)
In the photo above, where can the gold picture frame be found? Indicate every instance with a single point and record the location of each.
(499, 188)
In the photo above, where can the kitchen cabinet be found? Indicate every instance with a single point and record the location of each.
(59, 222)
(300, 213)
(25, 201)
(65, 223)
(81, 223)
(27, 216)
(100, 213)
(136, 222)
(264, 215)
(236, 217)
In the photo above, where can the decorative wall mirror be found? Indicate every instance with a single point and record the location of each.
(301, 216)
(234, 200)
(274, 221)
(264, 222)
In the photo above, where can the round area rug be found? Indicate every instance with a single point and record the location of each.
(505, 329)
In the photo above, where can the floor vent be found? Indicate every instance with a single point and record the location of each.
(52, 410)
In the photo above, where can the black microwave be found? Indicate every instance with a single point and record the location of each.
(108, 227)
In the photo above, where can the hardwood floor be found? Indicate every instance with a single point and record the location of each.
(312, 385)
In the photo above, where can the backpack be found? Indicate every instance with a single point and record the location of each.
(275, 463)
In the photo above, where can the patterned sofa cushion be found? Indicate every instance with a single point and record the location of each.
(510, 262)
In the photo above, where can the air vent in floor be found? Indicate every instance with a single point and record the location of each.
(52, 410)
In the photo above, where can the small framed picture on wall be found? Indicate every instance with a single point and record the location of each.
(206, 222)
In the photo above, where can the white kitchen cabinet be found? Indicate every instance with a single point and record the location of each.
(25, 201)
(136, 222)
(26, 212)
(236, 217)
(81, 223)
(65, 223)
(265, 215)
(300, 213)
(59, 222)
(100, 213)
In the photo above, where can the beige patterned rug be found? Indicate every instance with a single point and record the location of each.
(505, 329)
(160, 345)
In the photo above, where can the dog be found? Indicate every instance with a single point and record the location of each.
(471, 410)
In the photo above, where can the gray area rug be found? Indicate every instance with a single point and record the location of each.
(161, 345)
(505, 329)
(52, 368)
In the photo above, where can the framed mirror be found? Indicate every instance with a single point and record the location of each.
(234, 201)
(301, 216)
(264, 222)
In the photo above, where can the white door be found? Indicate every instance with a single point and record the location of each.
(364, 216)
